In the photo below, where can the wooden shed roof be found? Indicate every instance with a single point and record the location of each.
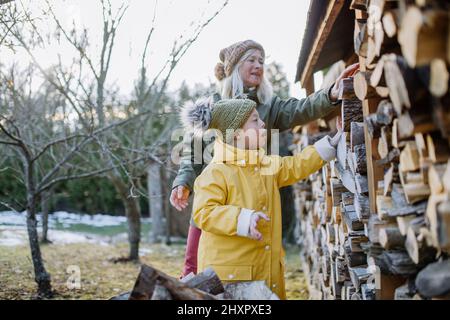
(328, 37)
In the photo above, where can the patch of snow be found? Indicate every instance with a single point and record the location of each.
(66, 219)
(15, 237)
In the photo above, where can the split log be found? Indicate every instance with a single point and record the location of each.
(359, 275)
(410, 123)
(416, 247)
(346, 177)
(398, 262)
(348, 198)
(351, 219)
(368, 291)
(398, 91)
(346, 90)
(362, 207)
(393, 156)
(361, 184)
(354, 259)
(356, 134)
(359, 159)
(423, 35)
(355, 242)
(387, 181)
(389, 24)
(373, 126)
(391, 238)
(337, 188)
(443, 230)
(384, 205)
(439, 77)
(434, 279)
(362, 87)
(409, 158)
(385, 112)
(207, 281)
(384, 143)
(341, 270)
(403, 223)
(360, 38)
(351, 112)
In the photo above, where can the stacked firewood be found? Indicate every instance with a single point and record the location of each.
(153, 284)
(378, 225)
(335, 211)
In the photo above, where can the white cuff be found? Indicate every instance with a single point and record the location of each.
(324, 148)
(243, 225)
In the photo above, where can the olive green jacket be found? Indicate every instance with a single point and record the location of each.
(279, 114)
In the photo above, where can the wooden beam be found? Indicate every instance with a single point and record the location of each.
(333, 10)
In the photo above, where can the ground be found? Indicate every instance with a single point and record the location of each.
(101, 278)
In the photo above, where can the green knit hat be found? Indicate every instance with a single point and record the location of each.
(231, 114)
(228, 114)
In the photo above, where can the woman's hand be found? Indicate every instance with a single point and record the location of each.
(348, 72)
(179, 197)
(254, 233)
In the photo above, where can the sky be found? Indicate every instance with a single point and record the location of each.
(277, 24)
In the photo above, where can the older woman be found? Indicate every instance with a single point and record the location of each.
(241, 72)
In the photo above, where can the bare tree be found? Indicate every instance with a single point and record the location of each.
(146, 134)
(86, 132)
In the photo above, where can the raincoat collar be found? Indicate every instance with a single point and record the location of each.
(226, 153)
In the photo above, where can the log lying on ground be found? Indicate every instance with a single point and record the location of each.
(149, 278)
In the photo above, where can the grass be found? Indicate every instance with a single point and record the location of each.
(101, 278)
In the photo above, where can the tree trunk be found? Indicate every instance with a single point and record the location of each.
(155, 201)
(45, 198)
(133, 214)
(41, 276)
(166, 184)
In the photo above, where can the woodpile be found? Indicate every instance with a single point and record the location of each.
(375, 223)
(152, 284)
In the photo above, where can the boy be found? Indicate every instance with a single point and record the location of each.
(236, 198)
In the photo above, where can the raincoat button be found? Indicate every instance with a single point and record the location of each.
(267, 247)
(264, 208)
(256, 169)
(274, 286)
(230, 276)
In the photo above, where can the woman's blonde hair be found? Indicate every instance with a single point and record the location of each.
(233, 86)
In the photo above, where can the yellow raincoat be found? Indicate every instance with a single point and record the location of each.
(239, 179)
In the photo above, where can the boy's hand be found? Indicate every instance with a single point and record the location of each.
(335, 140)
(254, 233)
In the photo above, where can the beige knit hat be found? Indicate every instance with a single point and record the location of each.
(231, 55)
